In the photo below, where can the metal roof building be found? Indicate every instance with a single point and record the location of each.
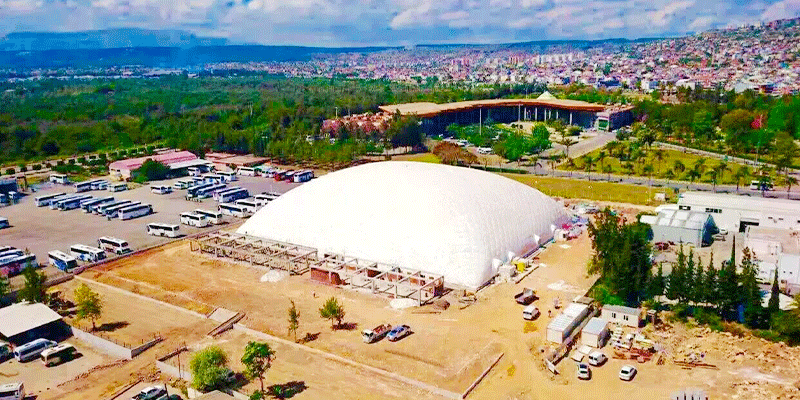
(23, 322)
(735, 213)
(678, 226)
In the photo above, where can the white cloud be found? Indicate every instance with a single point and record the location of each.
(702, 23)
(782, 9)
(664, 15)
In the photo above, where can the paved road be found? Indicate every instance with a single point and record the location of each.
(585, 146)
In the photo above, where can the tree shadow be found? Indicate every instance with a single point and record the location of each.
(287, 390)
(310, 337)
(112, 326)
(346, 326)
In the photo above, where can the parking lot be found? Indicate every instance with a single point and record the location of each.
(40, 229)
(39, 379)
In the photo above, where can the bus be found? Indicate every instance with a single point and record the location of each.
(758, 185)
(60, 179)
(197, 170)
(87, 253)
(4, 223)
(279, 175)
(192, 191)
(158, 229)
(234, 210)
(228, 176)
(89, 205)
(60, 354)
(31, 350)
(219, 192)
(111, 212)
(100, 185)
(233, 195)
(8, 251)
(117, 187)
(183, 184)
(54, 204)
(72, 203)
(100, 209)
(86, 186)
(62, 261)
(161, 189)
(252, 205)
(12, 391)
(134, 211)
(264, 198)
(45, 200)
(213, 178)
(289, 175)
(215, 217)
(208, 191)
(113, 245)
(13, 265)
(196, 220)
(264, 170)
(303, 176)
(246, 171)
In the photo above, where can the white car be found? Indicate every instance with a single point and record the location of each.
(584, 372)
(150, 393)
(627, 372)
(597, 359)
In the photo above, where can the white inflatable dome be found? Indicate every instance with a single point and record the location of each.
(453, 221)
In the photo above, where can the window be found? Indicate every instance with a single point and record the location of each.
(714, 210)
(685, 208)
(613, 315)
(625, 317)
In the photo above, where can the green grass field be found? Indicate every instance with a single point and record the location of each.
(660, 167)
(422, 157)
(589, 190)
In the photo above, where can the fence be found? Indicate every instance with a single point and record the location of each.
(113, 347)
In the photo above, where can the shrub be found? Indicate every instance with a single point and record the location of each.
(734, 328)
(37, 167)
(704, 317)
(10, 171)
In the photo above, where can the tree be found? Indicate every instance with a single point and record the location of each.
(294, 320)
(33, 291)
(88, 304)
(786, 151)
(774, 304)
(257, 360)
(742, 174)
(750, 292)
(678, 166)
(669, 175)
(333, 311)
(658, 156)
(788, 181)
(151, 171)
(5, 286)
(209, 367)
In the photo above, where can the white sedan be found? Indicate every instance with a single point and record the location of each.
(627, 372)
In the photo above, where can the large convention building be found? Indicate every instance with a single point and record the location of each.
(460, 223)
(436, 117)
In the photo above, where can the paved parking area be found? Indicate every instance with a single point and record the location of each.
(40, 229)
(39, 379)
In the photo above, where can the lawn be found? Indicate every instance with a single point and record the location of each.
(661, 168)
(590, 190)
(422, 157)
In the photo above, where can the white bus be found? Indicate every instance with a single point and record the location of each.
(219, 192)
(100, 185)
(60, 354)
(59, 178)
(71, 203)
(289, 175)
(196, 220)
(89, 205)
(758, 185)
(111, 212)
(228, 176)
(251, 205)
(100, 209)
(200, 169)
(4, 223)
(158, 229)
(86, 186)
(45, 200)
(32, 350)
(117, 187)
(192, 191)
(264, 170)
(12, 391)
(183, 184)
(213, 178)
(303, 176)
(233, 195)
(246, 171)
(208, 191)
(113, 245)
(15, 264)
(62, 261)
(264, 198)
(198, 180)
(161, 189)
(215, 217)
(134, 211)
(234, 210)
(87, 253)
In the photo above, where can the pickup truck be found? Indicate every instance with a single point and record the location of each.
(375, 334)
(527, 296)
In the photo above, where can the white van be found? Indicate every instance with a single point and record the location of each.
(12, 391)
(597, 358)
(33, 349)
(530, 313)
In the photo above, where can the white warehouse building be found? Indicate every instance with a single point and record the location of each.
(457, 222)
(736, 213)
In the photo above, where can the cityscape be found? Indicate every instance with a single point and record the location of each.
(399, 199)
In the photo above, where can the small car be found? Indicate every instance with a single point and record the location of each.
(584, 372)
(150, 393)
(398, 332)
(597, 358)
(627, 372)
(5, 351)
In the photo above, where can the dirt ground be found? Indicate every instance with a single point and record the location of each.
(448, 349)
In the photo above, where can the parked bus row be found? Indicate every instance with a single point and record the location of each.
(105, 206)
(13, 261)
(278, 174)
(68, 262)
(94, 184)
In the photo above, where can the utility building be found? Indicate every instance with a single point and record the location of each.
(678, 226)
(736, 213)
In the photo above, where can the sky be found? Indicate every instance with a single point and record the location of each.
(334, 23)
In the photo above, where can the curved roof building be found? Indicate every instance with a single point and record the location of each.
(456, 222)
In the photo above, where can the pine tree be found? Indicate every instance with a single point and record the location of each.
(774, 298)
(657, 283)
(711, 293)
(689, 283)
(676, 287)
(750, 293)
(728, 285)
